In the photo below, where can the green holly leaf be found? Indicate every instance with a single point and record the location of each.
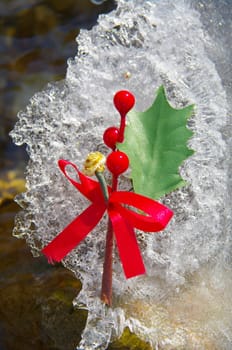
(156, 144)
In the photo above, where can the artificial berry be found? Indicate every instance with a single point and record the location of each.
(124, 101)
(117, 162)
(110, 137)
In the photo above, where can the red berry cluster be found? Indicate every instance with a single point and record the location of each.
(117, 162)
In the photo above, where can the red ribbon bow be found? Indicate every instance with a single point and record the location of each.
(123, 220)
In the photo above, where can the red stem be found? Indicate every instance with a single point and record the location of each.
(106, 290)
(122, 128)
(114, 183)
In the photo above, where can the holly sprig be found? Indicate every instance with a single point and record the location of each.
(147, 135)
(155, 144)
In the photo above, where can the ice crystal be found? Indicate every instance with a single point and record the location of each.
(184, 300)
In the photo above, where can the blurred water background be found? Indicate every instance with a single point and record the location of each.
(36, 39)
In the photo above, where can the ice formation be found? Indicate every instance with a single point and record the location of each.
(184, 300)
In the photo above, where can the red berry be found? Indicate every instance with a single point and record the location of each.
(124, 101)
(117, 162)
(110, 137)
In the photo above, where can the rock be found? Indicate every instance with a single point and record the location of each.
(10, 185)
(37, 311)
(129, 341)
(35, 299)
(64, 6)
(35, 20)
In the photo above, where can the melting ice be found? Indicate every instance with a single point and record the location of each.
(184, 300)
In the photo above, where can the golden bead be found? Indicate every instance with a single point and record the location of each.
(95, 161)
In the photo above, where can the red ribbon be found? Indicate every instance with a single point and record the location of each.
(123, 220)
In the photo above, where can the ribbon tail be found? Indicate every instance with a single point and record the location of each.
(74, 233)
(128, 248)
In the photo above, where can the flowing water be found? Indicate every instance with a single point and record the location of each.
(184, 301)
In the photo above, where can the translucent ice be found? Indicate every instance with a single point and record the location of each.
(184, 300)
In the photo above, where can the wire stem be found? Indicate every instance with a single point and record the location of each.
(102, 182)
(122, 128)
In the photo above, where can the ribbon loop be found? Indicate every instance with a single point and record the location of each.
(88, 187)
(156, 215)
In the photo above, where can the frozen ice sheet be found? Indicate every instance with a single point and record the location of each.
(184, 300)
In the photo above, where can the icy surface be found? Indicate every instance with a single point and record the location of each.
(184, 300)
